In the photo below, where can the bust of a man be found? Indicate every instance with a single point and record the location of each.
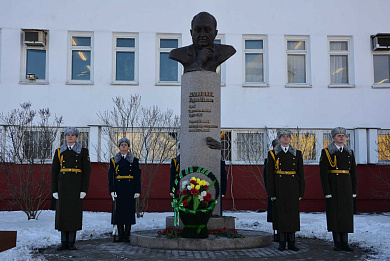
(203, 54)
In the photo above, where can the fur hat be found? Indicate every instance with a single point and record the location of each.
(72, 130)
(123, 140)
(282, 132)
(338, 130)
(275, 142)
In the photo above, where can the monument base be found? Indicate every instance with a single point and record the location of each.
(214, 222)
(253, 239)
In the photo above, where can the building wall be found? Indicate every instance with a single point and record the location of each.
(255, 107)
(244, 191)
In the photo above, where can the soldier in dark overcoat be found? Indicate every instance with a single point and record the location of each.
(124, 184)
(70, 173)
(269, 201)
(339, 186)
(285, 186)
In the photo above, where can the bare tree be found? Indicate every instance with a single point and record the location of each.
(153, 135)
(28, 147)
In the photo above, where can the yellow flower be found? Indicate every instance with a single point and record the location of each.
(203, 183)
(197, 187)
(192, 185)
(197, 181)
(193, 178)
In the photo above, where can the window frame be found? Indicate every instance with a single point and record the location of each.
(263, 51)
(221, 38)
(349, 53)
(379, 85)
(306, 53)
(116, 49)
(23, 63)
(71, 48)
(158, 51)
(382, 132)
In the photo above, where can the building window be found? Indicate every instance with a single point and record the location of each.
(221, 68)
(305, 141)
(298, 69)
(34, 57)
(80, 65)
(125, 59)
(37, 145)
(254, 57)
(168, 70)
(384, 146)
(381, 63)
(250, 147)
(340, 62)
(149, 145)
(226, 140)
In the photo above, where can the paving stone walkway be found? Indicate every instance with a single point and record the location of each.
(105, 249)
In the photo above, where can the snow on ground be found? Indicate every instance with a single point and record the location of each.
(371, 230)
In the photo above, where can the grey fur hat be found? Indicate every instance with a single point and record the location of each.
(338, 130)
(123, 140)
(275, 142)
(72, 130)
(282, 132)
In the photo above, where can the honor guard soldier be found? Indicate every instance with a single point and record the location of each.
(285, 187)
(70, 173)
(339, 186)
(174, 172)
(124, 184)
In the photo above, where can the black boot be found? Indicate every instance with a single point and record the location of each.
(72, 240)
(126, 238)
(337, 241)
(276, 236)
(344, 242)
(282, 241)
(64, 241)
(121, 233)
(291, 242)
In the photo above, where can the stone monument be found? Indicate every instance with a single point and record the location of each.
(201, 98)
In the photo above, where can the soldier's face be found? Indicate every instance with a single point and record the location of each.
(124, 148)
(203, 31)
(70, 138)
(339, 139)
(285, 140)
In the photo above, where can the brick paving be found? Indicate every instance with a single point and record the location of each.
(105, 249)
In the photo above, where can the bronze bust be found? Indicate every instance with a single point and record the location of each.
(203, 54)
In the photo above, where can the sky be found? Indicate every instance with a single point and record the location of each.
(371, 230)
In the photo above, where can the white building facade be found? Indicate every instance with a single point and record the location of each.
(305, 65)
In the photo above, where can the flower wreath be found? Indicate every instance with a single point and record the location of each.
(177, 206)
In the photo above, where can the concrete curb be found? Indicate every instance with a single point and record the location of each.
(253, 239)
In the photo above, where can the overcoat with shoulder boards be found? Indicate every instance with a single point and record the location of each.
(69, 206)
(287, 188)
(339, 208)
(125, 179)
(174, 173)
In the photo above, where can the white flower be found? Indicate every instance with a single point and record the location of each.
(203, 193)
(184, 184)
(200, 197)
(189, 187)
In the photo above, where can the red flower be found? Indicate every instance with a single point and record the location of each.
(206, 187)
(194, 191)
(185, 203)
(178, 192)
(184, 192)
(186, 197)
(193, 181)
